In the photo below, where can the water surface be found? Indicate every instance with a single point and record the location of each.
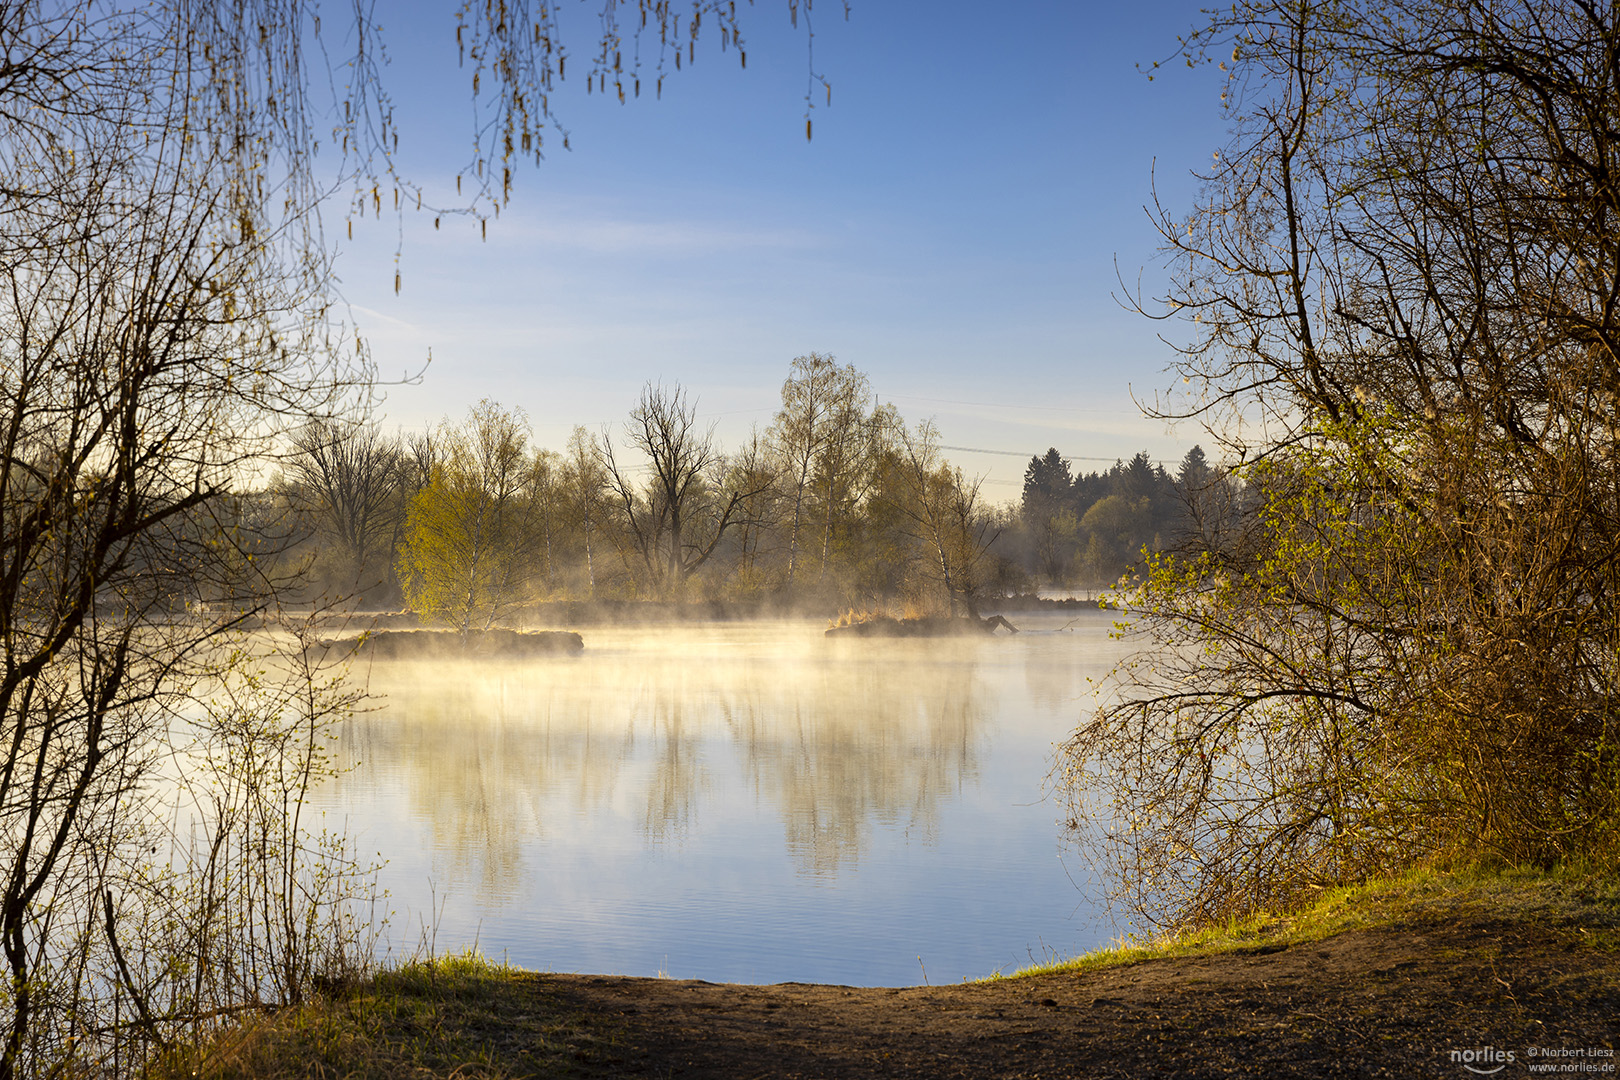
(745, 802)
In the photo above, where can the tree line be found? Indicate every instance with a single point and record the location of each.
(838, 502)
(1092, 528)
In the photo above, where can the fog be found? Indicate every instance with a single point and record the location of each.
(741, 801)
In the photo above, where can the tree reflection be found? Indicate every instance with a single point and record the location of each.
(479, 760)
(493, 758)
(680, 775)
(840, 747)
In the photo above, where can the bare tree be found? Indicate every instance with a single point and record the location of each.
(586, 481)
(547, 511)
(155, 349)
(680, 518)
(752, 470)
(941, 506)
(352, 475)
(422, 451)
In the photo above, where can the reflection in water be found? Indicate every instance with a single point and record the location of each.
(834, 746)
(626, 796)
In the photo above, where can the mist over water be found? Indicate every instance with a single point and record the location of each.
(740, 801)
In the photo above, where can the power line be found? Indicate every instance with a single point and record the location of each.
(976, 450)
(1020, 453)
(995, 404)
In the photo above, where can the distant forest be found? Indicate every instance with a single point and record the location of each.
(839, 503)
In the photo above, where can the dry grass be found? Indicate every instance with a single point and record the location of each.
(893, 609)
(462, 1017)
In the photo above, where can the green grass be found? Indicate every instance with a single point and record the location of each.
(1584, 906)
(460, 1016)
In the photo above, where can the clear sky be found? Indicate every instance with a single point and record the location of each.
(953, 229)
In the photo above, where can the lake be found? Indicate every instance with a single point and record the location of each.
(734, 801)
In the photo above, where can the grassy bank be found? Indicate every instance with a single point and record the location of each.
(465, 1017)
(1583, 906)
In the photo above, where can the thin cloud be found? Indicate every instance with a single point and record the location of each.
(608, 236)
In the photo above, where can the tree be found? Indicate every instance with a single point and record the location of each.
(1139, 478)
(1194, 471)
(546, 496)
(421, 454)
(351, 475)
(844, 471)
(941, 506)
(810, 433)
(680, 518)
(1400, 278)
(752, 470)
(1117, 528)
(586, 480)
(1047, 508)
(156, 345)
(469, 548)
(1214, 506)
(166, 327)
(1046, 483)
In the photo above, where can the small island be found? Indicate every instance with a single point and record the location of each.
(494, 644)
(921, 626)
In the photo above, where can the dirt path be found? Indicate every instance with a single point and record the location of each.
(1367, 1003)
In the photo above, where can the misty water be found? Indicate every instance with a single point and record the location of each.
(738, 801)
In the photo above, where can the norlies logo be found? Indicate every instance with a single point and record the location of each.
(1484, 1061)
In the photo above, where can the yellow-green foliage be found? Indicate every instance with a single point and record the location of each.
(469, 546)
(1405, 642)
(1350, 687)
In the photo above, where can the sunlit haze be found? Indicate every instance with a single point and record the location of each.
(957, 229)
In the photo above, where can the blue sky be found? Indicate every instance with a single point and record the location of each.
(952, 230)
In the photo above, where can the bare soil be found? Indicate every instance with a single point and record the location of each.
(1387, 1002)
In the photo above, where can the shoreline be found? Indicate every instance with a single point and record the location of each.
(565, 614)
(1388, 978)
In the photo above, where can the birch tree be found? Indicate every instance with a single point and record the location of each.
(807, 430)
(940, 506)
